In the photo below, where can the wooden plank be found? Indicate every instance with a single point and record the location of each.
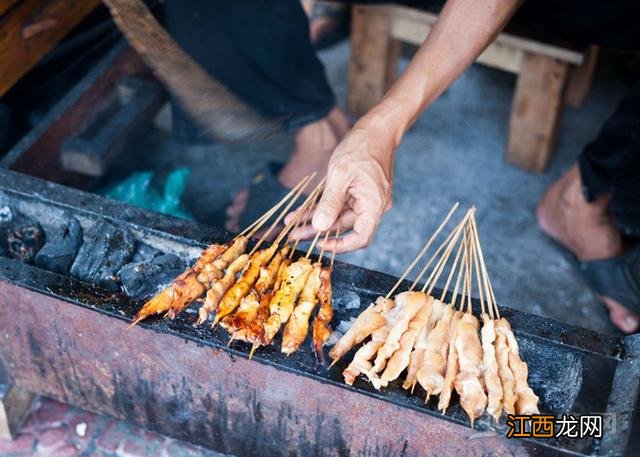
(415, 21)
(535, 113)
(15, 404)
(497, 55)
(374, 55)
(580, 78)
(31, 29)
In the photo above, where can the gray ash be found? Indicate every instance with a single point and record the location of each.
(142, 278)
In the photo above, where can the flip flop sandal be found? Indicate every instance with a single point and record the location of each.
(264, 192)
(617, 278)
(339, 23)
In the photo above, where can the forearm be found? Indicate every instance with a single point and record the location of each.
(462, 31)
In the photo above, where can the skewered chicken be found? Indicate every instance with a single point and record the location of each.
(284, 299)
(361, 362)
(298, 325)
(468, 381)
(237, 323)
(453, 366)
(242, 324)
(212, 263)
(321, 330)
(527, 401)
(212, 299)
(231, 299)
(417, 355)
(366, 323)
(409, 303)
(506, 375)
(431, 374)
(182, 290)
(490, 367)
(399, 360)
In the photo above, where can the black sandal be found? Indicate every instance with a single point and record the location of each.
(617, 278)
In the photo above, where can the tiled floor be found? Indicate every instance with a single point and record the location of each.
(54, 429)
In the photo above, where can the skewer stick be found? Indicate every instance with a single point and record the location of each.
(255, 226)
(253, 349)
(313, 245)
(468, 277)
(303, 215)
(333, 254)
(437, 253)
(435, 274)
(488, 287)
(458, 279)
(324, 242)
(315, 191)
(476, 268)
(452, 271)
(423, 251)
(280, 216)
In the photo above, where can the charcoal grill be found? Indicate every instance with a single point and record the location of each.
(69, 340)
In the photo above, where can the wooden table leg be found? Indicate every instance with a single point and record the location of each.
(374, 57)
(535, 113)
(580, 78)
(15, 404)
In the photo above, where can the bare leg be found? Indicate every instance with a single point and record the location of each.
(587, 230)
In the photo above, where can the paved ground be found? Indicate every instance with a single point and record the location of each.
(454, 152)
(56, 430)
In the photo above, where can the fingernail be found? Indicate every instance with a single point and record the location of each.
(630, 323)
(320, 221)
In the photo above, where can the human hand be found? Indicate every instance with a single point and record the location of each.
(357, 191)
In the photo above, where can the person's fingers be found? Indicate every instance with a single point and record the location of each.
(622, 317)
(332, 200)
(361, 236)
(344, 223)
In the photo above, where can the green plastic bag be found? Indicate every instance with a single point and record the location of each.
(138, 190)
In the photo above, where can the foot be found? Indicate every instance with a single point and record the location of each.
(313, 145)
(587, 230)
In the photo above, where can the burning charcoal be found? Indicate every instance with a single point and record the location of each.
(21, 236)
(144, 253)
(142, 278)
(104, 251)
(60, 249)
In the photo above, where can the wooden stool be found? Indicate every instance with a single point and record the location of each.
(548, 74)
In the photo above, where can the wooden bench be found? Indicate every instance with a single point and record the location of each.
(31, 28)
(549, 75)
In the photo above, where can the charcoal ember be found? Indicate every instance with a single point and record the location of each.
(143, 278)
(21, 237)
(144, 253)
(104, 250)
(61, 248)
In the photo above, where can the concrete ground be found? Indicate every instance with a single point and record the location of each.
(453, 153)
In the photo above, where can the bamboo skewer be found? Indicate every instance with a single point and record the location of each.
(423, 251)
(282, 214)
(255, 226)
(432, 281)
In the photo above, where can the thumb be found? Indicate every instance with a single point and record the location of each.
(331, 203)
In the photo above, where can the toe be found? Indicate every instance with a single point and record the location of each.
(624, 319)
